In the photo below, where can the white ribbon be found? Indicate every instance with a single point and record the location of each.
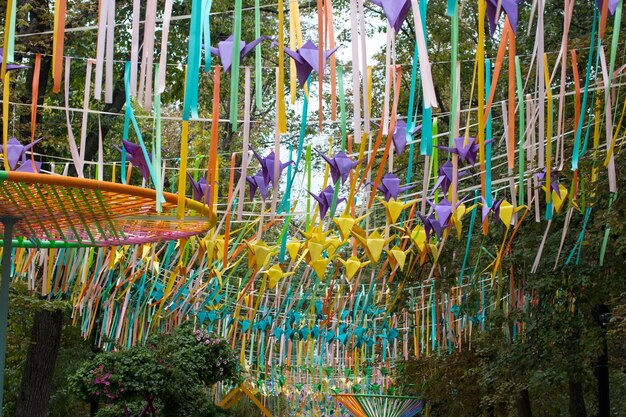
(428, 88)
(76, 159)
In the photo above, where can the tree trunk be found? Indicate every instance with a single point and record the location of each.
(601, 314)
(523, 404)
(40, 363)
(576, 399)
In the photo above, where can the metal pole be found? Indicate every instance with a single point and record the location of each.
(7, 263)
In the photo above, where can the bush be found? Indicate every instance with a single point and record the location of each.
(169, 376)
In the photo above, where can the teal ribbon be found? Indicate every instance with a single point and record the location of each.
(433, 312)
(579, 242)
(129, 116)
(469, 240)
(451, 8)
(426, 146)
(410, 122)
(283, 235)
(284, 204)
(206, 32)
(583, 108)
(190, 106)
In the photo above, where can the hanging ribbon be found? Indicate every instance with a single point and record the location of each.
(234, 71)
(144, 94)
(159, 85)
(134, 47)
(356, 79)
(190, 106)
(583, 109)
(488, 195)
(480, 60)
(428, 88)
(5, 116)
(206, 32)
(212, 174)
(76, 159)
(522, 123)
(246, 138)
(129, 116)
(548, 160)
(9, 34)
(156, 140)
(35, 99)
(83, 130)
(258, 78)
(57, 44)
(280, 80)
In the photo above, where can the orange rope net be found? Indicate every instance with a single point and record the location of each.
(94, 213)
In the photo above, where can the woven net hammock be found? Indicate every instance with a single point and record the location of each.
(380, 405)
(51, 208)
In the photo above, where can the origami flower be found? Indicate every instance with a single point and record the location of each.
(307, 60)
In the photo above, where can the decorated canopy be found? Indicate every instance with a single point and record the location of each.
(359, 217)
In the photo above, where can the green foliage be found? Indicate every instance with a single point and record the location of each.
(171, 373)
(74, 349)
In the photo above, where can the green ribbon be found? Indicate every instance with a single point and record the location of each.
(307, 168)
(234, 70)
(9, 50)
(607, 230)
